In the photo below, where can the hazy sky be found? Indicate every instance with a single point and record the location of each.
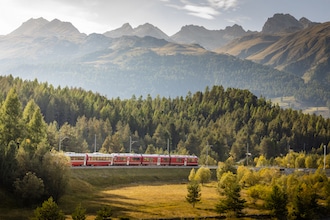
(100, 16)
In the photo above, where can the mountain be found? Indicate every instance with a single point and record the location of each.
(30, 27)
(285, 23)
(281, 23)
(189, 34)
(210, 39)
(140, 31)
(304, 53)
(40, 27)
(128, 65)
(125, 30)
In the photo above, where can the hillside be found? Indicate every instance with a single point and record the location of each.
(298, 49)
(303, 53)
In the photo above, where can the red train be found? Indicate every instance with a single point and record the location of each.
(126, 159)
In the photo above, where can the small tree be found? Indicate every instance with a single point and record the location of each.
(104, 213)
(229, 187)
(194, 193)
(304, 203)
(203, 175)
(49, 211)
(223, 167)
(192, 175)
(277, 202)
(79, 213)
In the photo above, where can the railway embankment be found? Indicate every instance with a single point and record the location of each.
(103, 177)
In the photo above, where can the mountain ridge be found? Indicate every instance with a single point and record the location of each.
(302, 52)
(144, 65)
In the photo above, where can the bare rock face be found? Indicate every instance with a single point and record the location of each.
(281, 23)
(140, 31)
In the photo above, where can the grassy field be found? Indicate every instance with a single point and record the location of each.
(290, 102)
(145, 193)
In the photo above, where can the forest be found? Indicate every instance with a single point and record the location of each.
(38, 122)
(223, 122)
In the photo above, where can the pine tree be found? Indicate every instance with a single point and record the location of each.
(11, 126)
(229, 187)
(194, 193)
(79, 213)
(277, 202)
(104, 213)
(49, 211)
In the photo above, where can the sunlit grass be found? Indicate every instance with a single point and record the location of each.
(161, 201)
(137, 193)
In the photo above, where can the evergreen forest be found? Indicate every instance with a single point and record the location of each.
(216, 122)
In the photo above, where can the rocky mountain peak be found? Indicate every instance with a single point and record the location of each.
(235, 30)
(125, 30)
(30, 26)
(41, 27)
(306, 23)
(280, 23)
(58, 28)
(140, 31)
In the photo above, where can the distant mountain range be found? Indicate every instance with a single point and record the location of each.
(144, 60)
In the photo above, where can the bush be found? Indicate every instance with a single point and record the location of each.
(30, 188)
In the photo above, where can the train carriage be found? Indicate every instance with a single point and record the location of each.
(98, 159)
(184, 160)
(126, 159)
(192, 160)
(76, 159)
(155, 160)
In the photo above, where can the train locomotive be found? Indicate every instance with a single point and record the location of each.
(130, 159)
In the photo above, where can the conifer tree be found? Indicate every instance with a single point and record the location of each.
(104, 213)
(11, 127)
(79, 213)
(49, 211)
(277, 202)
(230, 189)
(194, 193)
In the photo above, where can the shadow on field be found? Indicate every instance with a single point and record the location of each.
(120, 204)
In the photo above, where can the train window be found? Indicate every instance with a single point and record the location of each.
(135, 159)
(77, 158)
(122, 158)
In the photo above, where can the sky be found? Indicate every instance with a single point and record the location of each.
(99, 16)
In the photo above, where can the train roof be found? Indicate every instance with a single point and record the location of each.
(74, 154)
(126, 154)
(155, 155)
